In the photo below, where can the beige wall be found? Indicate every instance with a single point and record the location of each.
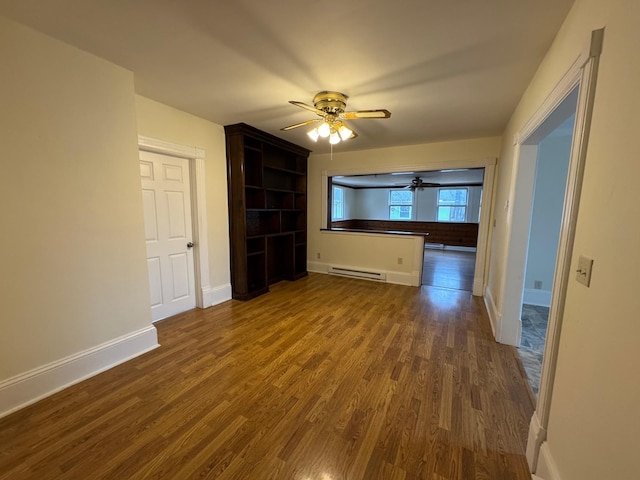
(72, 244)
(166, 123)
(595, 414)
(380, 253)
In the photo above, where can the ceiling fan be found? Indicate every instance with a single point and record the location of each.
(418, 184)
(331, 108)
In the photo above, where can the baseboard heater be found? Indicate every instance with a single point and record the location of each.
(350, 272)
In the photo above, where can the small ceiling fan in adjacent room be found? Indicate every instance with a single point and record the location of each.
(331, 108)
(418, 184)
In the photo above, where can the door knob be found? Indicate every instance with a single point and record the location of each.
(190, 245)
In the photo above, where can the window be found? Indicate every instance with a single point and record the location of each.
(400, 204)
(452, 204)
(337, 210)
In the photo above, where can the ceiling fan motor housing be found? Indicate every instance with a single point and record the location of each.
(330, 102)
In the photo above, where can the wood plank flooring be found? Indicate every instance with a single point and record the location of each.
(326, 378)
(448, 268)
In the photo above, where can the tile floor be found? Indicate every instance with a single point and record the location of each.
(531, 350)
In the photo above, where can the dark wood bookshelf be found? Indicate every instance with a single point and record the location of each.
(267, 180)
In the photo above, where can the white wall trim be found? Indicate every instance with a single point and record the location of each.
(494, 314)
(478, 286)
(547, 468)
(587, 79)
(537, 434)
(196, 157)
(399, 278)
(216, 295)
(29, 387)
(482, 245)
(541, 298)
(155, 145)
(402, 278)
(317, 267)
(562, 89)
(434, 165)
(563, 272)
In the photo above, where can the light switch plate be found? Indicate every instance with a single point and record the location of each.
(583, 274)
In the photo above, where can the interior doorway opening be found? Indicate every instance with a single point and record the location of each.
(443, 206)
(204, 295)
(553, 152)
(449, 267)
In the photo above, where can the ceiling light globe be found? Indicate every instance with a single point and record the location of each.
(345, 132)
(334, 138)
(314, 135)
(324, 130)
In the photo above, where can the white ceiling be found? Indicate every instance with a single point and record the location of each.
(445, 69)
(462, 176)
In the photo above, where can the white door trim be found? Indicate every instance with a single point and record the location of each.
(196, 157)
(582, 73)
(489, 165)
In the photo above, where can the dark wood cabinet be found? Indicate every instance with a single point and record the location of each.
(267, 179)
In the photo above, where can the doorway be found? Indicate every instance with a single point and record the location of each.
(443, 205)
(166, 196)
(451, 264)
(448, 268)
(205, 296)
(547, 206)
(579, 81)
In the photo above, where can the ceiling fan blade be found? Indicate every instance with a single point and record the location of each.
(366, 114)
(306, 107)
(301, 124)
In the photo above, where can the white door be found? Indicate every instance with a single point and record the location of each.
(168, 232)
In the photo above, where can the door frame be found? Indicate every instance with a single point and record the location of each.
(196, 158)
(489, 165)
(521, 199)
(583, 75)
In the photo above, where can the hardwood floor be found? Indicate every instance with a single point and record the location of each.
(448, 269)
(325, 378)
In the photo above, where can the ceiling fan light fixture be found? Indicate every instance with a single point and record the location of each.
(314, 135)
(331, 108)
(324, 130)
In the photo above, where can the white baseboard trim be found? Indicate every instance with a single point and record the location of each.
(317, 267)
(29, 387)
(546, 468)
(537, 435)
(215, 295)
(492, 310)
(400, 278)
(479, 287)
(535, 477)
(410, 279)
(540, 298)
